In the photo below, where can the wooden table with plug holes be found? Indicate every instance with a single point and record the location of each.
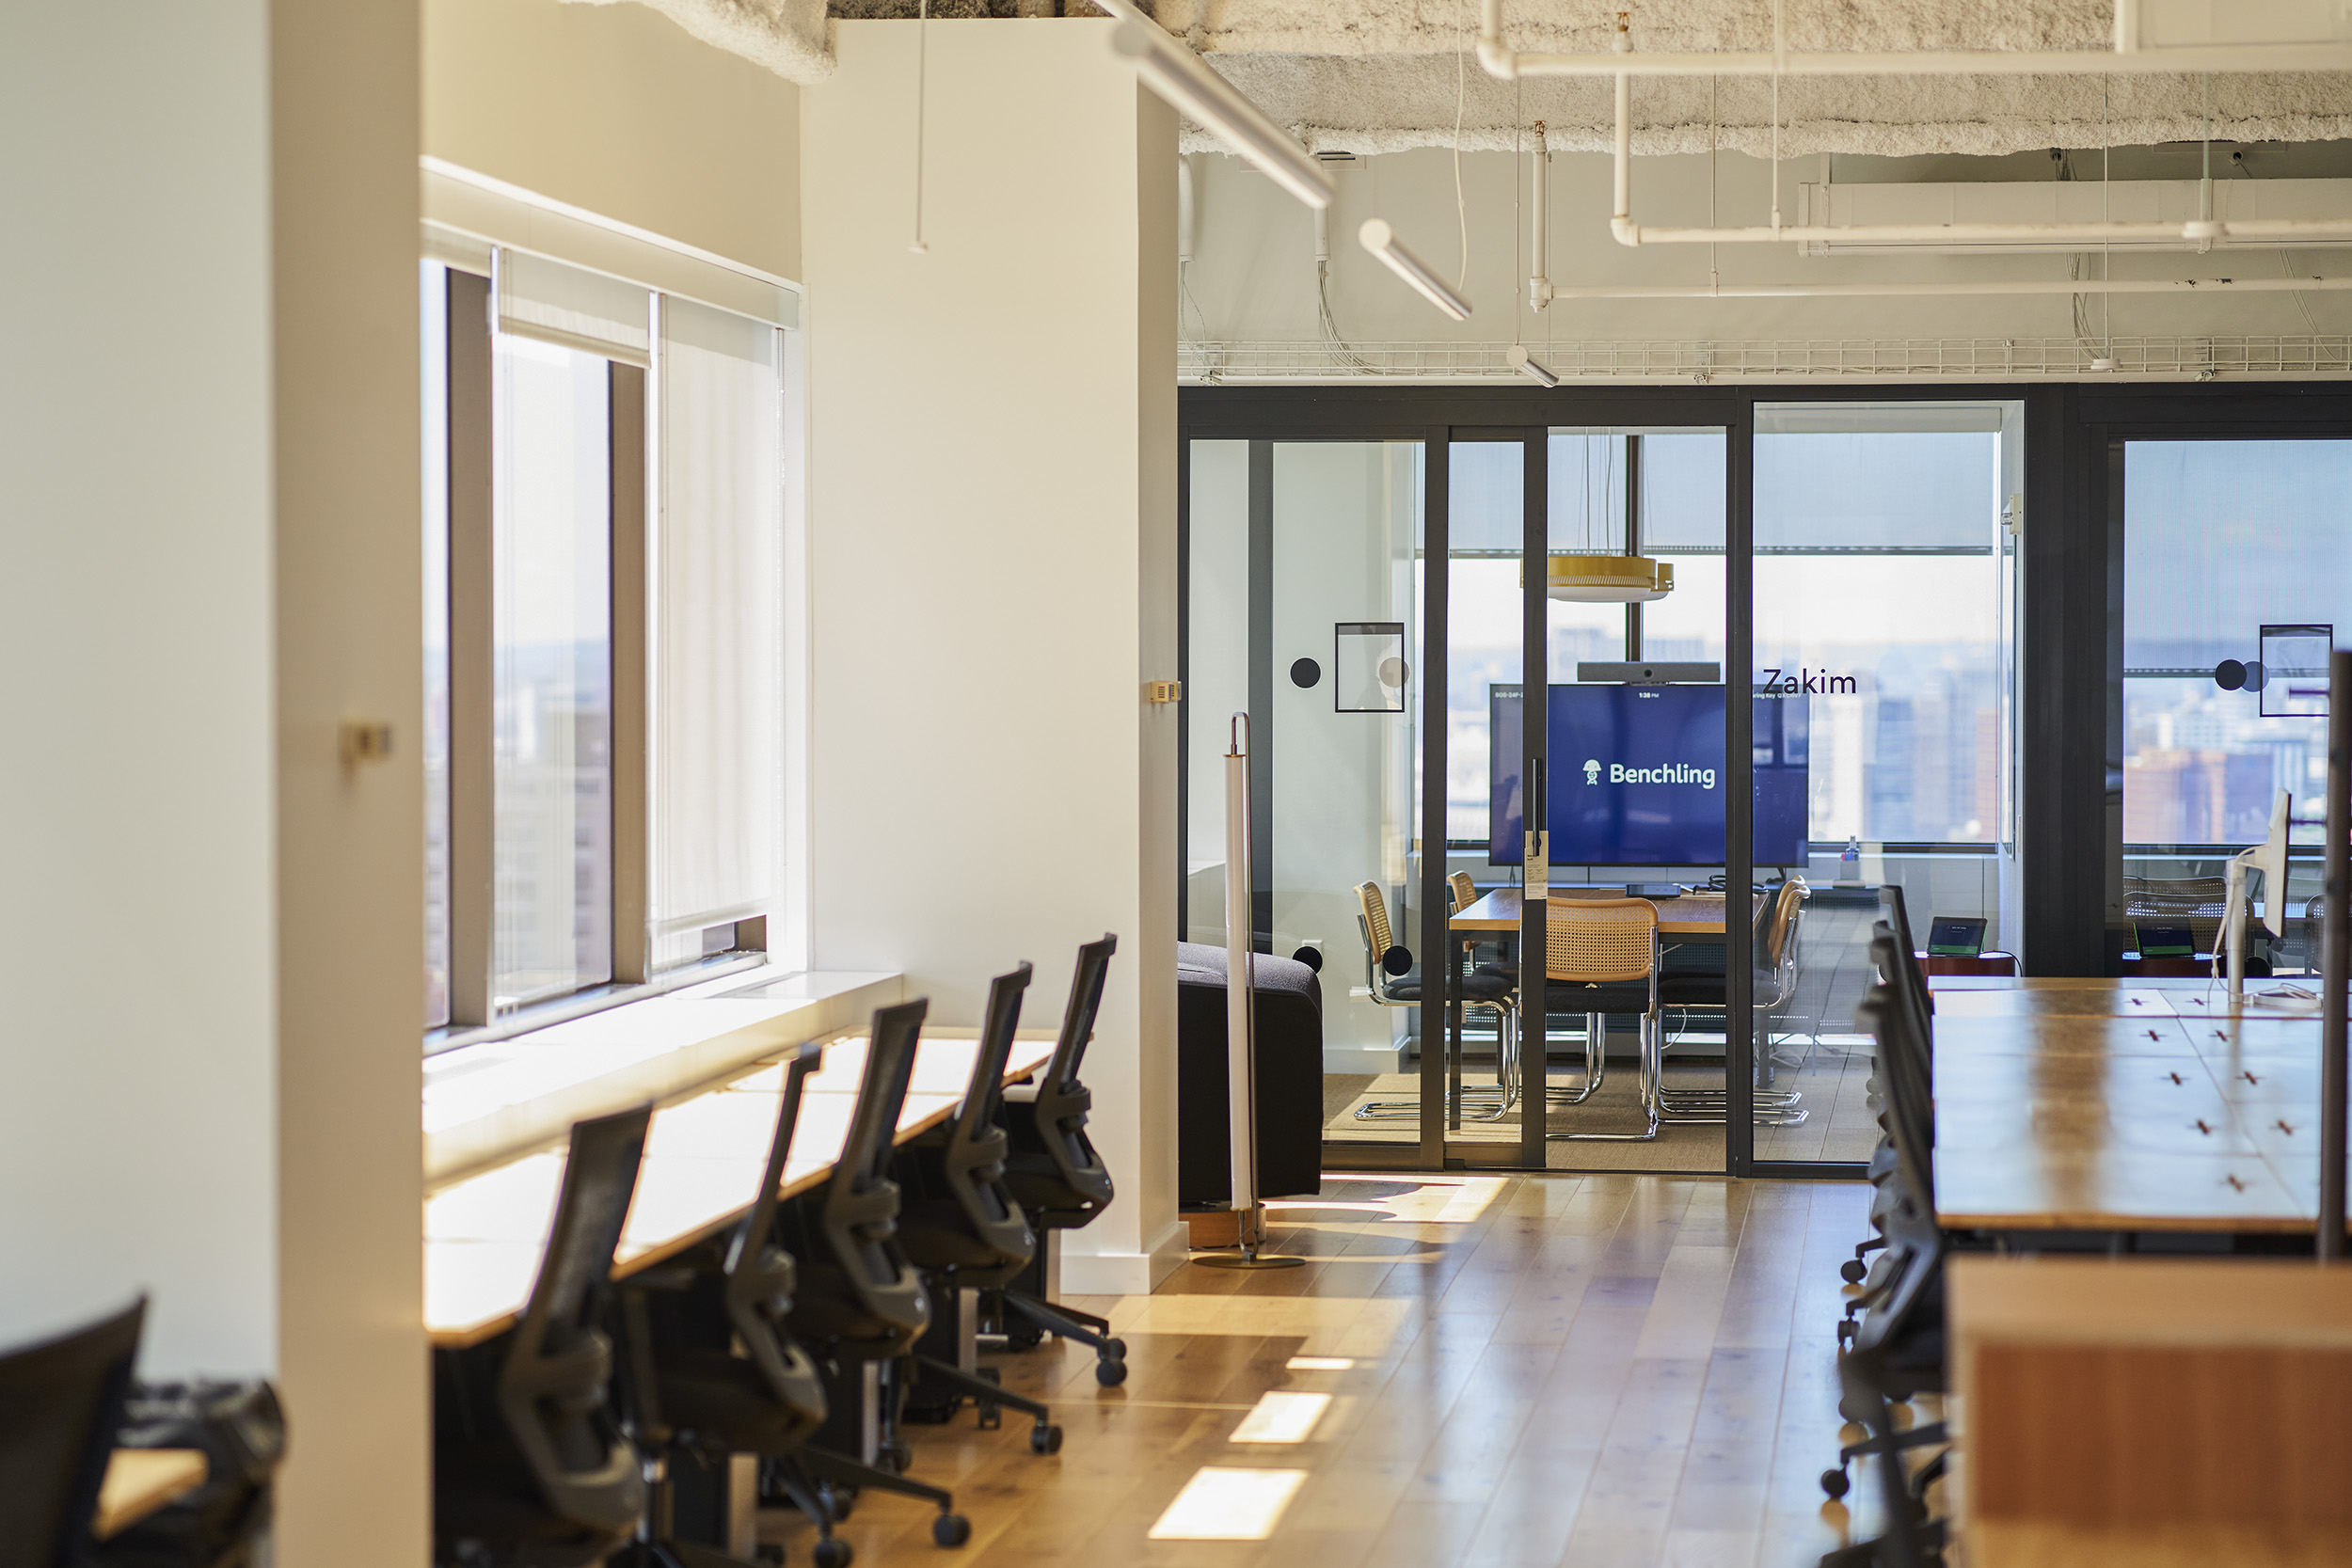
(2123, 1106)
(485, 1232)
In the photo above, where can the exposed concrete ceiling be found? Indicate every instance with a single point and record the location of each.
(1381, 75)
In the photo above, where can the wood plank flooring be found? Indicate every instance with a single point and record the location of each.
(1605, 1369)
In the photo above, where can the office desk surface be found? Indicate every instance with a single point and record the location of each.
(2110, 1106)
(704, 1155)
(140, 1480)
(1688, 917)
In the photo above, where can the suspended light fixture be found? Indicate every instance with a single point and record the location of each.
(1520, 360)
(1603, 576)
(1380, 239)
(1187, 82)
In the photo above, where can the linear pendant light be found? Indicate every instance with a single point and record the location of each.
(1185, 80)
(1520, 360)
(1380, 239)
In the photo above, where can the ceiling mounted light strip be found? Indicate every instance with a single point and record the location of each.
(1380, 239)
(1185, 80)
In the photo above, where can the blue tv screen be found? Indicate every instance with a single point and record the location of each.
(1636, 776)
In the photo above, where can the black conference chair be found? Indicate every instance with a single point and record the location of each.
(1057, 1177)
(1899, 1351)
(960, 1223)
(529, 1466)
(61, 1403)
(714, 1371)
(859, 1300)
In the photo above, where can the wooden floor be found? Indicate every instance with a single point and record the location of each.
(1544, 1370)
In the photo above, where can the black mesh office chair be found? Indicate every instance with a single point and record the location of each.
(61, 1403)
(713, 1370)
(1055, 1176)
(960, 1223)
(859, 1299)
(530, 1464)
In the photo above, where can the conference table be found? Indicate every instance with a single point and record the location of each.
(2125, 1105)
(704, 1153)
(1498, 913)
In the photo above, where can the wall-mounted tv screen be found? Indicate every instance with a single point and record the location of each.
(1636, 776)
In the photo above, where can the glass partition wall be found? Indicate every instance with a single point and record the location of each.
(1378, 599)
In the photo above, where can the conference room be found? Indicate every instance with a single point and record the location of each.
(1010, 780)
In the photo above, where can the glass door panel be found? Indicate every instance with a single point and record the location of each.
(1882, 596)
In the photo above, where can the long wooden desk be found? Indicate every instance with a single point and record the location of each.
(140, 1480)
(704, 1153)
(2123, 1106)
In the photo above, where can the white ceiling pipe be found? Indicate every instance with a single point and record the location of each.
(1180, 76)
(1378, 238)
(2203, 232)
(1930, 291)
(1538, 282)
(1502, 60)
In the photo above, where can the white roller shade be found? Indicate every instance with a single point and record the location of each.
(718, 639)
(573, 308)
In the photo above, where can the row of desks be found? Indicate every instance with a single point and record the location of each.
(2123, 1105)
(705, 1154)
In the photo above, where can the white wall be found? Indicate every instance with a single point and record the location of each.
(212, 941)
(1217, 668)
(618, 110)
(1252, 273)
(992, 553)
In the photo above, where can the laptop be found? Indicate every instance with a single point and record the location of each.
(2164, 941)
(1956, 936)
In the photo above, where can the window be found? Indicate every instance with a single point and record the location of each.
(603, 640)
(2220, 539)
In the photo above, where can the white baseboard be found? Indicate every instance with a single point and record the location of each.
(1362, 1058)
(1125, 1274)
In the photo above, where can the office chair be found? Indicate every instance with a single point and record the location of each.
(859, 1300)
(1773, 952)
(960, 1223)
(1600, 957)
(1058, 1180)
(60, 1406)
(530, 1464)
(1899, 1351)
(714, 1371)
(1899, 972)
(1393, 982)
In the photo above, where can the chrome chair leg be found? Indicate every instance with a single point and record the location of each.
(1649, 1053)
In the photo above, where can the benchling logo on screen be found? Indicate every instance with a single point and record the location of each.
(1636, 776)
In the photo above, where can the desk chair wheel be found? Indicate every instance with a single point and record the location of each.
(951, 1530)
(992, 1415)
(1045, 1438)
(900, 1455)
(1022, 1338)
(1835, 1482)
(768, 1551)
(834, 1552)
(1115, 1349)
(1851, 1271)
(1110, 1374)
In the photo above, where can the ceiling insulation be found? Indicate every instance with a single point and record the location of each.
(1371, 76)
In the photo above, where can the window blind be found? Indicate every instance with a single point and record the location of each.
(573, 308)
(718, 638)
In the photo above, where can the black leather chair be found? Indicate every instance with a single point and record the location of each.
(714, 1371)
(960, 1223)
(1057, 1177)
(859, 1300)
(1289, 1023)
(61, 1403)
(530, 1464)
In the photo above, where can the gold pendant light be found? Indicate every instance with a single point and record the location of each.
(1607, 579)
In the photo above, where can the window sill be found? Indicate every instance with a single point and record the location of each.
(492, 1098)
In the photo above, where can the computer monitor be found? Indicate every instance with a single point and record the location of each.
(1956, 936)
(1636, 775)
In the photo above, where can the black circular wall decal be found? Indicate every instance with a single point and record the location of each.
(1306, 672)
(2229, 674)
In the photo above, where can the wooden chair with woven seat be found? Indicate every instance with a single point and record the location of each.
(1773, 953)
(1392, 981)
(1600, 957)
